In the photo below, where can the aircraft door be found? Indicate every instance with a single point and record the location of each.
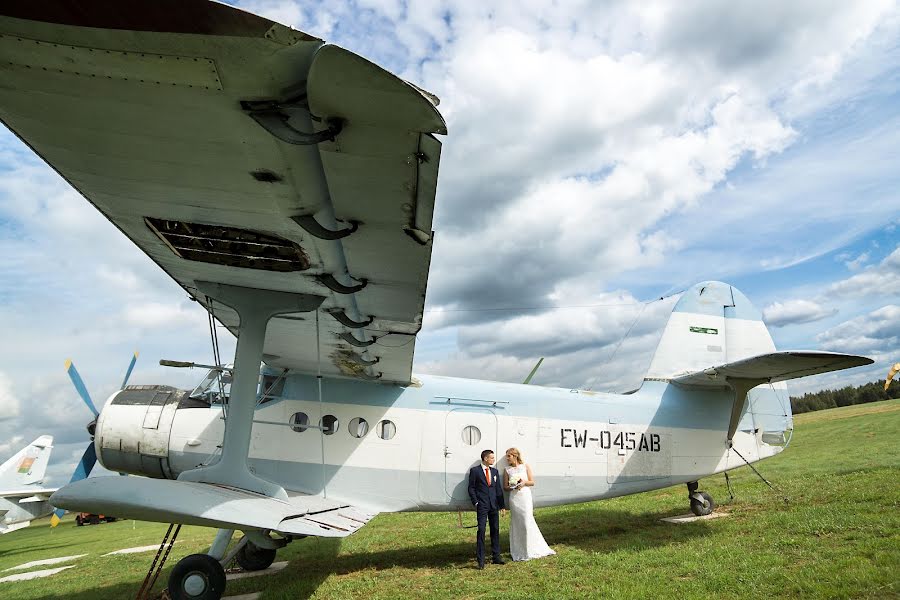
(467, 431)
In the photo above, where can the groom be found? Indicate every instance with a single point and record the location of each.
(486, 493)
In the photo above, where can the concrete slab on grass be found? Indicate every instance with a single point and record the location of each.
(134, 550)
(690, 518)
(245, 574)
(34, 574)
(47, 561)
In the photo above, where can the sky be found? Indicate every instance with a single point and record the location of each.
(602, 157)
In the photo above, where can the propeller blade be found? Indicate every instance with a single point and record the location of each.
(85, 465)
(128, 373)
(88, 460)
(79, 386)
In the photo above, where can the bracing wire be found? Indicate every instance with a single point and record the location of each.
(758, 474)
(214, 338)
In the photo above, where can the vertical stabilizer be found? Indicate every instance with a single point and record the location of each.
(27, 466)
(714, 324)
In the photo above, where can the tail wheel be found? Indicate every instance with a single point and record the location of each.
(703, 507)
(197, 577)
(253, 558)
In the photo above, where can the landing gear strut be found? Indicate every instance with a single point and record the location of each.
(253, 558)
(701, 503)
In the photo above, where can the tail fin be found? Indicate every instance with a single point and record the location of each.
(716, 338)
(712, 324)
(27, 466)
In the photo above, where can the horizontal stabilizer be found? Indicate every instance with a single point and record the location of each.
(771, 368)
(208, 505)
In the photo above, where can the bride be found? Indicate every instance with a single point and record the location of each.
(525, 539)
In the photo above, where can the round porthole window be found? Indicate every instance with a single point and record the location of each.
(471, 435)
(358, 427)
(299, 422)
(329, 424)
(386, 429)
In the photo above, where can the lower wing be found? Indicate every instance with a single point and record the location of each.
(209, 505)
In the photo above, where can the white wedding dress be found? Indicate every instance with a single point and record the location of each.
(525, 539)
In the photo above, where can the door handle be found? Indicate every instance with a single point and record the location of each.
(447, 452)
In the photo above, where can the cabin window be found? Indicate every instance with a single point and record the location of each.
(386, 429)
(471, 435)
(329, 424)
(358, 427)
(299, 422)
(272, 387)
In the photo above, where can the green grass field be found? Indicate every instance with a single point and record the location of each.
(837, 537)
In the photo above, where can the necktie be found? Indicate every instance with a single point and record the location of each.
(487, 475)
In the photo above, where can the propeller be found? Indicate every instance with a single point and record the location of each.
(89, 458)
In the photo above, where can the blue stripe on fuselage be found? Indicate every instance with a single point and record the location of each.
(656, 403)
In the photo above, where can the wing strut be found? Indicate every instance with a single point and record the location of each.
(255, 307)
(741, 387)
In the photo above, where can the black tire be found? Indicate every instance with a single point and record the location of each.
(78, 521)
(701, 509)
(95, 520)
(253, 558)
(197, 577)
(111, 519)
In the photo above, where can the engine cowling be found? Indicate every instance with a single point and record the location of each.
(132, 434)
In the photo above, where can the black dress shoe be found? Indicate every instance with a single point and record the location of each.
(480, 566)
(499, 561)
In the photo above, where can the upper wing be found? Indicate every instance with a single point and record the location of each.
(772, 367)
(210, 505)
(235, 150)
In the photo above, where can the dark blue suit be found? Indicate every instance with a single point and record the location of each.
(488, 501)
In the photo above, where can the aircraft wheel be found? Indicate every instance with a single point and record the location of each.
(253, 558)
(701, 509)
(197, 577)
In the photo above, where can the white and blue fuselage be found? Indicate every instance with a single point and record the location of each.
(390, 448)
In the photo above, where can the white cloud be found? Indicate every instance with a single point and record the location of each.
(165, 315)
(876, 333)
(779, 314)
(9, 401)
(881, 279)
(11, 446)
(856, 263)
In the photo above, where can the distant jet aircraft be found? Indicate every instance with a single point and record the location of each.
(23, 498)
(288, 186)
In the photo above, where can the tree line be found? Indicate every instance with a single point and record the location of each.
(868, 392)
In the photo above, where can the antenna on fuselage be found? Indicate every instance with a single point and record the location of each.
(533, 371)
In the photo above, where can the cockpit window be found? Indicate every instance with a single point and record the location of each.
(215, 387)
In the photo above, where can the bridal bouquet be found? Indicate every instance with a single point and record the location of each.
(514, 480)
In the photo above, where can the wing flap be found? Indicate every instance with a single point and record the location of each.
(208, 505)
(771, 368)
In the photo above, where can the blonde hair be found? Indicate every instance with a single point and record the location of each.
(518, 455)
